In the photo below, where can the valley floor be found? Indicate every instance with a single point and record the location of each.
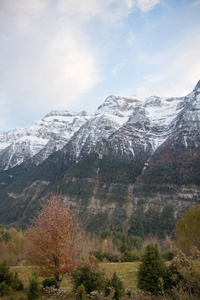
(126, 272)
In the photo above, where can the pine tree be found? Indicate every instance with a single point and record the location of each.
(115, 284)
(8, 279)
(33, 291)
(152, 270)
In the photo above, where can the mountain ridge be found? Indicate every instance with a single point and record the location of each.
(127, 153)
(57, 127)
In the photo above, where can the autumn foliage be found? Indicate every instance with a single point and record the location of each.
(52, 240)
(187, 230)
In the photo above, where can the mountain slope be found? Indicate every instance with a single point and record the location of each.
(129, 153)
(177, 160)
(40, 139)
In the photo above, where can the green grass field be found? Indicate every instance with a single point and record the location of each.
(125, 271)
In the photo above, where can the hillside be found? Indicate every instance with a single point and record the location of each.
(130, 157)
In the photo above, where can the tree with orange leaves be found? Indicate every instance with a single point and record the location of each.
(52, 240)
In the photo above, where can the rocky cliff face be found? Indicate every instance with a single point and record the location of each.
(130, 151)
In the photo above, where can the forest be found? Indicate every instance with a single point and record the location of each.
(55, 258)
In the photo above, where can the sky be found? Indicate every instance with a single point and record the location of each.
(72, 54)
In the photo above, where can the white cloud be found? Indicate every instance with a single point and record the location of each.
(174, 72)
(3, 110)
(115, 71)
(153, 78)
(147, 5)
(49, 59)
(131, 38)
(18, 17)
(179, 67)
(196, 3)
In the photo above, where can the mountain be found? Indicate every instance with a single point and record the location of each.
(130, 155)
(40, 139)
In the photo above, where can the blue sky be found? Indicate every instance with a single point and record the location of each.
(72, 54)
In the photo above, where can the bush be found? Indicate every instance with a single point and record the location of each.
(8, 279)
(4, 288)
(129, 256)
(33, 291)
(81, 293)
(88, 273)
(187, 230)
(112, 257)
(117, 286)
(48, 282)
(16, 283)
(5, 274)
(168, 255)
(186, 275)
(98, 254)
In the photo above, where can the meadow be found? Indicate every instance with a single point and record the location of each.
(126, 271)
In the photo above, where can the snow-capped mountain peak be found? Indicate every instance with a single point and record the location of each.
(47, 135)
(124, 125)
(197, 87)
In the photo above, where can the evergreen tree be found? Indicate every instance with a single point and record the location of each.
(152, 270)
(33, 291)
(81, 293)
(115, 284)
(88, 273)
(8, 279)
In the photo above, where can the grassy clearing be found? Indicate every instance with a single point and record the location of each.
(126, 271)
(26, 272)
(66, 284)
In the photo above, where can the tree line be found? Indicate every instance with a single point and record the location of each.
(55, 246)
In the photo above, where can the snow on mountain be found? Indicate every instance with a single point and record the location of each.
(126, 126)
(108, 118)
(186, 124)
(49, 134)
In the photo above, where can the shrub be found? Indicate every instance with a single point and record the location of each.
(5, 274)
(8, 279)
(168, 255)
(98, 254)
(48, 282)
(187, 230)
(186, 274)
(4, 288)
(88, 273)
(81, 293)
(117, 286)
(112, 257)
(16, 283)
(33, 291)
(129, 256)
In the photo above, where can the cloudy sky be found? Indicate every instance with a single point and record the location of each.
(72, 54)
